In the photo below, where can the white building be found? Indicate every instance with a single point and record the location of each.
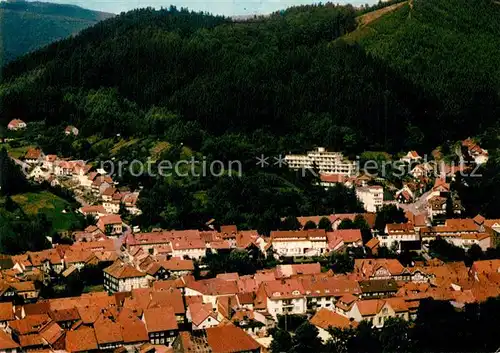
(283, 297)
(377, 311)
(313, 242)
(326, 162)
(123, 277)
(371, 196)
(397, 233)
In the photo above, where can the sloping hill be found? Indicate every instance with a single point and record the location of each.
(450, 48)
(26, 26)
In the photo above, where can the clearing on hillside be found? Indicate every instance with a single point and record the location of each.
(369, 17)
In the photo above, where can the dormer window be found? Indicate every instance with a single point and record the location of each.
(295, 292)
(276, 294)
(327, 291)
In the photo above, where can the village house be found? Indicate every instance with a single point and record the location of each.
(460, 232)
(411, 156)
(6, 314)
(16, 124)
(395, 234)
(210, 289)
(344, 238)
(96, 211)
(192, 248)
(71, 130)
(161, 325)
(202, 316)
(473, 150)
(311, 242)
(220, 339)
(381, 269)
(436, 208)
(279, 297)
(123, 277)
(33, 156)
(377, 311)
(7, 344)
(325, 319)
(129, 200)
(110, 225)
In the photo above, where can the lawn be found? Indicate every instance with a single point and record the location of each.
(16, 152)
(50, 205)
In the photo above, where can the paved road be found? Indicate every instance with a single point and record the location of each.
(417, 207)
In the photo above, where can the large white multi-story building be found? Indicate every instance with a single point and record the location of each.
(311, 242)
(371, 196)
(326, 162)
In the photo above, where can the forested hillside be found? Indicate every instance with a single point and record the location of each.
(205, 86)
(26, 26)
(451, 50)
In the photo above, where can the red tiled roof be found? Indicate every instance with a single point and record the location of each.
(325, 319)
(81, 340)
(6, 311)
(123, 270)
(200, 312)
(230, 339)
(6, 342)
(160, 319)
(133, 329)
(108, 331)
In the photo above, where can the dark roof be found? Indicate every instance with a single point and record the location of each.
(378, 285)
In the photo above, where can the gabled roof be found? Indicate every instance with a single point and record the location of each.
(108, 331)
(200, 312)
(230, 339)
(122, 270)
(325, 319)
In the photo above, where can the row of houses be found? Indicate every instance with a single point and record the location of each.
(83, 178)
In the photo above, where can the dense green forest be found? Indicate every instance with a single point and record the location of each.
(207, 87)
(26, 26)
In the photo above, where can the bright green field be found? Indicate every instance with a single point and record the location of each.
(49, 204)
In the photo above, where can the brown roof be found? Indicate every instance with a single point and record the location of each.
(108, 331)
(214, 286)
(123, 270)
(370, 307)
(61, 315)
(6, 311)
(229, 229)
(6, 342)
(33, 153)
(200, 312)
(29, 324)
(372, 243)
(133, 329)
(325, 319)
(176, 264)
(230, 339)
(81, 340)
(169, 297)
(160, 319)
